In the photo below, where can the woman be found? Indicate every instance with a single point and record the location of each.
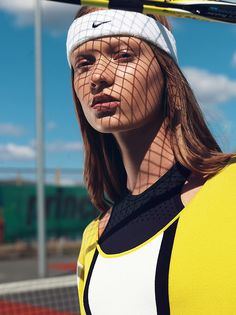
(152, 167)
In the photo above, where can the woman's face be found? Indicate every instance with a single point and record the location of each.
(119, 83)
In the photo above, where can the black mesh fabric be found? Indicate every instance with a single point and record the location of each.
(136, 218)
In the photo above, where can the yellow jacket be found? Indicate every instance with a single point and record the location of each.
(202, 274)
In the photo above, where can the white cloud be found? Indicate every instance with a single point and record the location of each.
(210, 89)
(9, 129)
(60, 146)
(234, 60)
(13, 151)
(56, 16)
(64, 147)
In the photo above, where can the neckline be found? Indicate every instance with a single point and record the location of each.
(191, 204)
(185, 208)
(158, 182)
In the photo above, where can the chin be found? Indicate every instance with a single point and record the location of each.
(108, 125)
(113, 128)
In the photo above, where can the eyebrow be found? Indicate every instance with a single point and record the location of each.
(114, 42)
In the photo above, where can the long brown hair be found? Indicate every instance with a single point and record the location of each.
(192, 142)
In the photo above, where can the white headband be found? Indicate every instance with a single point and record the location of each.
(104, 23)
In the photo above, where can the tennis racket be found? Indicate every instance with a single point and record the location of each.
(223, 11)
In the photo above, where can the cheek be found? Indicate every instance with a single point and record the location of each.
(82, 93)
(81, 88)
(147, 84)
(155, 83)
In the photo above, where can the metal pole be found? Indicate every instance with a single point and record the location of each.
(40, 142)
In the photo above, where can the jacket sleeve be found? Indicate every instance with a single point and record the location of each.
(80, 275)
(87, 249)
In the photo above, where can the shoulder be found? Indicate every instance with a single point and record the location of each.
(89, 238)
(103, 221)
(226, 176)
(95, 228)
(230, 168)
(221, 186)
(91, 230)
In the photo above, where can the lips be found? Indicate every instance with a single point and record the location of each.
(101, 99)
(108, 106)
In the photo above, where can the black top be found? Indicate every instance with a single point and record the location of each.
(136, 218)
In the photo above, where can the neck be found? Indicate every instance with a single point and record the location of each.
(146, 154)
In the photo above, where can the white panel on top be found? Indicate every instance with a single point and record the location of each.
(125, 285)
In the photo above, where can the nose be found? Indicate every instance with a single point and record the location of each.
(103, 76)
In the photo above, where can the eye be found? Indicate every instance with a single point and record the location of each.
(83, 64)
(123, 56)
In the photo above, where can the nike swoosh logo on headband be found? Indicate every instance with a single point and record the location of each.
(96, 24)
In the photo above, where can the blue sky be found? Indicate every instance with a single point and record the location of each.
(207, 55)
